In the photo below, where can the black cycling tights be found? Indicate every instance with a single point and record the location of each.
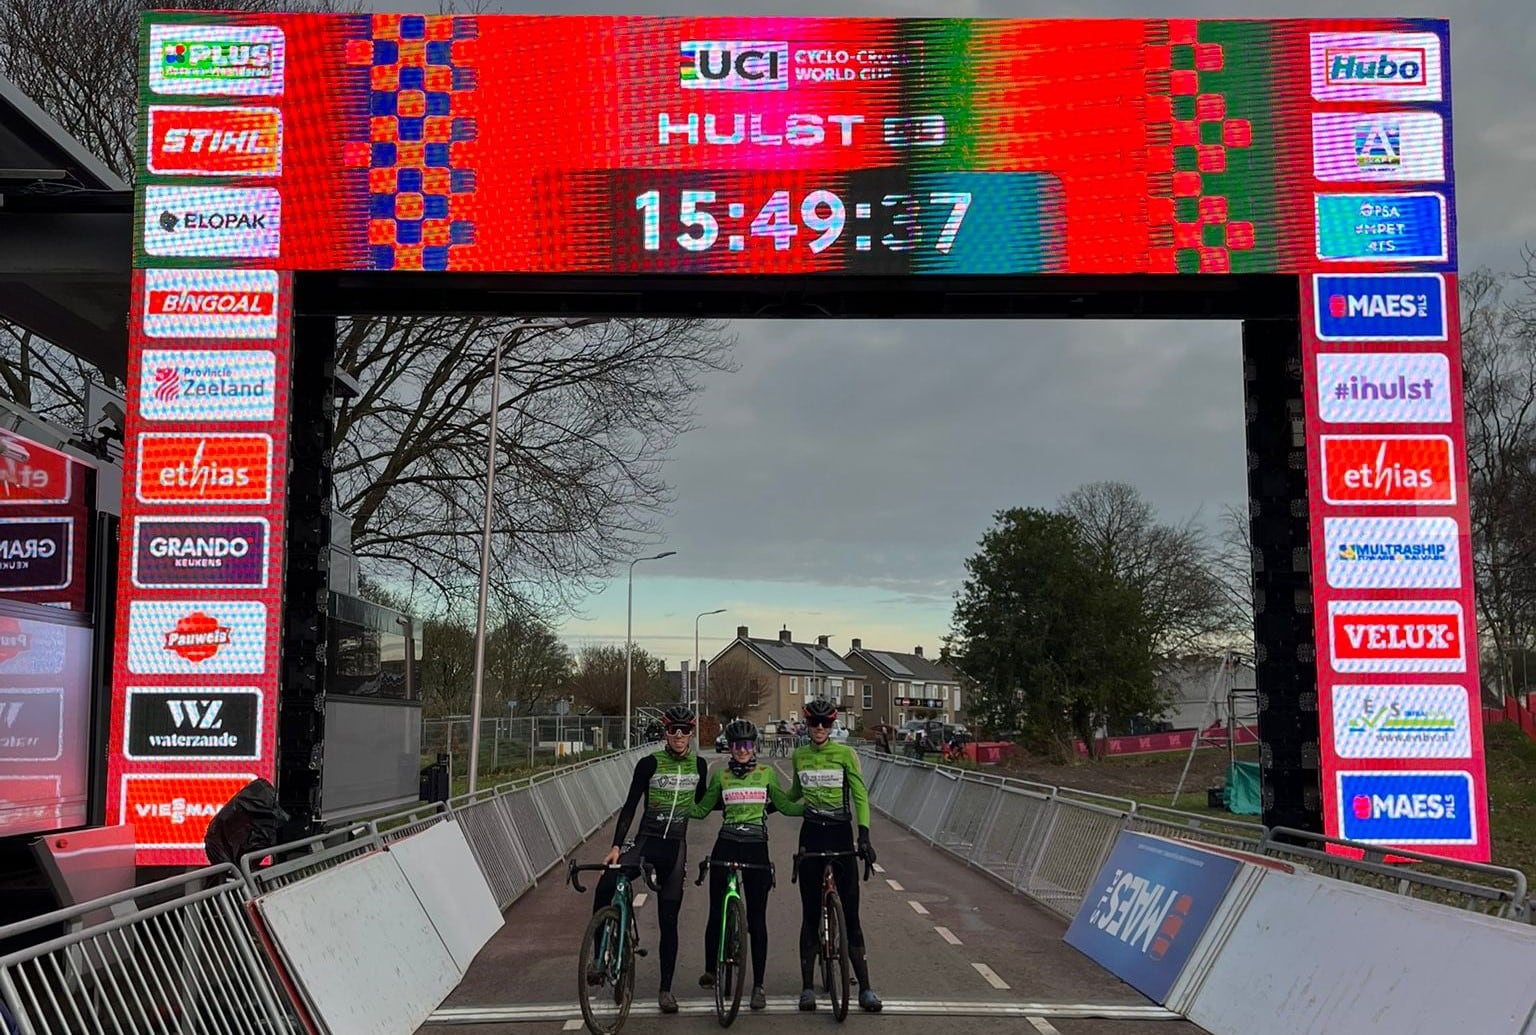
(666, 917)
(756, 888)
(845, 872)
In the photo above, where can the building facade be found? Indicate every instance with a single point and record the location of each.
(783, 675)
(893, 687)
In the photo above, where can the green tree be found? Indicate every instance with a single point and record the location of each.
(1055, 643)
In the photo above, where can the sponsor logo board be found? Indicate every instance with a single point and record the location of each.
(1392, 553)
(36, 554)
(1384, 387)
(200, 553)
(733, 65)
(1376, 66)
(212, 222)
(1391, 721)
(1382, 470)
(216, 60)
(193, 723)
(1384, 147)
(190, 638)
(198, 303)
(1382, 227)
(1396, 636)
(31, 724)
(174, 811)
(203, 141)
(186, 467)
(1407, 808)
(31, 473)
(1380, 306)
(207, 384)
(31, 648)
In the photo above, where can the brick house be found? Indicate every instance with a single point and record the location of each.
(787, 673)
(893, 687)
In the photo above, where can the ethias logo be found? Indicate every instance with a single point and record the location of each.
(733, 65)
(190, 468)
(1383, 470)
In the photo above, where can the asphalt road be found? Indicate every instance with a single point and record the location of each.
(944, 940)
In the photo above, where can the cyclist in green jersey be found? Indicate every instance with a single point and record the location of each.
(745, 793)
(827, 777)
(669, 782)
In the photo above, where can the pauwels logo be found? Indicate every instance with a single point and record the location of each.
(1397, 66)
(1380, 307)
(200, 141)
(733, 65)
(173, 812)
(185, 467)
(193, 723)
(206, 384)
(239, 304)
(1396, 636)
(212, 222)
(1383, 387)
(1392, 553)
(1407, 808)
(1383, 470)
(208, 60)
(173, 637)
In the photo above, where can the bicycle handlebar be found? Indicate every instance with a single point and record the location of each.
(647, 871)
(795, 871)
(704, 865)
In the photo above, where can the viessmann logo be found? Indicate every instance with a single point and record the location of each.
(1382, 470)
(174, 811)
(1395, 66)
(1396, 636)
(237, 304)
(188, 141)
(733, 65)
(228, 60)
(184, 467)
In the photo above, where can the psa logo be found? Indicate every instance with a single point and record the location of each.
(206, 385)
(169, 637)
(1398, 146)
(199, 553)
(1388, 721)
(1392, 553)
(186, 467)
(1396, 636)
(733, 65)
(193, 723)
(229, 60)
(1380, 307)
(1407, 808)
(174, 811)
(1349, 66)
(1374, 470)
(187, 141)
(239, 304)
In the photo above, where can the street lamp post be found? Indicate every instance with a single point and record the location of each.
(629, 625)
(698, 684)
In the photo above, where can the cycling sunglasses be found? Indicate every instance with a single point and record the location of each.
(677, 731)
(819, 722)
(739, 745)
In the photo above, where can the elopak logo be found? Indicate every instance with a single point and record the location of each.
(200, 553)
(1392, 553)
(32, 473)
(240, 304)
(193, 723)
(1396, 636)
(187, 467)
(173, 637)
(31, 724)
(174, 811)
(212, 222)
(1383, 387)
(1382, 227)
(1391, 721)
(1380, 306)
(733, 65)
(1392, 147)
(1407, 808)
(216, 60)
(206, 384)
(1376, 66)
(1380, 470)
(36, 554)
(200, 141)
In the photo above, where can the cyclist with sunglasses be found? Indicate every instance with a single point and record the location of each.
(827, 777)
(745, 792)
(670, 782)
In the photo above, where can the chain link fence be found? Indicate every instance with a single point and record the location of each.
(511, 746)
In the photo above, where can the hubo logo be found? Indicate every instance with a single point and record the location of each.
(733, 65)
(1388, 721)
(206, 385)
(186, 723)
(212, 222)
(1399, 66)
(209, 60)
(1395, 146)
(1392, 553)
(1406, 808)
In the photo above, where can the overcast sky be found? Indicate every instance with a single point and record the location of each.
(844, 473)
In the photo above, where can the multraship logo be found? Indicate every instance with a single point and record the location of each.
(1380, 307)
(1392, 553)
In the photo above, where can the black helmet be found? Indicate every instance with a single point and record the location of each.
(820, 708)
(740, 729)
(678, 715)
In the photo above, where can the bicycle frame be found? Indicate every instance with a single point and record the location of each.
(622, 900)
(733, 889)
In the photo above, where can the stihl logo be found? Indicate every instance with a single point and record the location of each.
(197, 715)
(187, 141)
(180, 468)
(1387, 469)
(1406, 636)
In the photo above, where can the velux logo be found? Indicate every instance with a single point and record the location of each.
(1396, 636)
(733, 65)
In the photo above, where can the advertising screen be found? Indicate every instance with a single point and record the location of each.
(619, 146)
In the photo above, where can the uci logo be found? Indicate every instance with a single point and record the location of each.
(733, 65)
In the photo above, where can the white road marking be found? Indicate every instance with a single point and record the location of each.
(947, 935)
(640, 899)
(991, 976)
(576, 1024)
(917, 907)
(992, 1007)
(878, 868)
(1043, 1026)
(894, 885)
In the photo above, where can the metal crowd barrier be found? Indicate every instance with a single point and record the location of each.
(1049, 842)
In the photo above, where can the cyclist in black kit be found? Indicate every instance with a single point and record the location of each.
(670, 782)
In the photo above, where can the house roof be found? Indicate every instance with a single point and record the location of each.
(907, 667)
(793, 657)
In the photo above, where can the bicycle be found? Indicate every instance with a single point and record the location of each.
(833, 950)
(731, 958)
(609, 947)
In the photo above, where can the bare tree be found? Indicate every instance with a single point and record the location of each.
(598, 679)
(1231, 565)
(733, 690)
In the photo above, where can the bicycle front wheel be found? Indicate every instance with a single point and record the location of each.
(605, 978)
(835, 963)
(731, 971)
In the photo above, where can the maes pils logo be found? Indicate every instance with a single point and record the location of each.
(733, 65)
(214, 60)
(1407, 808)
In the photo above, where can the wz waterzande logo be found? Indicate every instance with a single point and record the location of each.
(200, 553)
(1391, 721)
(212, 222)
(1383, 387)
(733, 65)
(207, 384)
(1397, 66)
(216, 60)
(1364, 147)
(31, 725)
(193, 723)
(1396, 636)
(1392, 553)
(1380, 307)
(1407, 808)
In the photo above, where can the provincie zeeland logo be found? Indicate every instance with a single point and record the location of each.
(207, 385)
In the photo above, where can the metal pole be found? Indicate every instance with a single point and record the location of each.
(629, 637)
(698, 684)
(485, 565)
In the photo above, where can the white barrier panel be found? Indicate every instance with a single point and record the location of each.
(441, 870)
(361, 947)
(1313, 956)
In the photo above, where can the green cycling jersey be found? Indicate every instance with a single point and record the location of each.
(828, 778)
(745, 802)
